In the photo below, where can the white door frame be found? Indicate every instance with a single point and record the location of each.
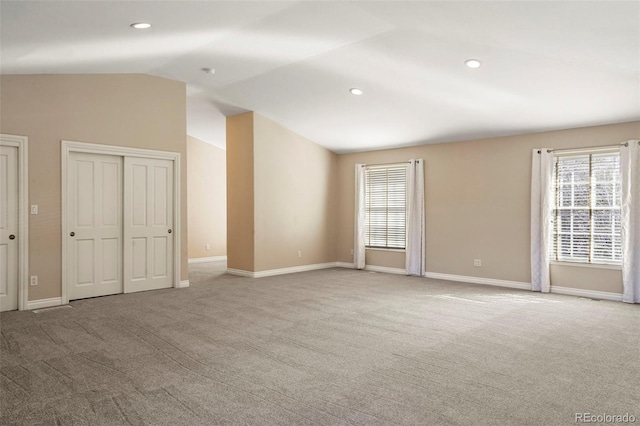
(70, 146)
(22, 143)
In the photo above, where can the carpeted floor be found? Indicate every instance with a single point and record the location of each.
(329, 347)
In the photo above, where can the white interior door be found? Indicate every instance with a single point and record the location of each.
(8, 228)
(148, 224)
(94, 191)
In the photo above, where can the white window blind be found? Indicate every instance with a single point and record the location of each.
(386, 207)
(586, 216)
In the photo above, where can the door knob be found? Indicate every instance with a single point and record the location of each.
(73, 234)
(169, 231)
(12, 237)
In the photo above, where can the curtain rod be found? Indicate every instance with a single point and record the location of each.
(386, 164)
(589, 147)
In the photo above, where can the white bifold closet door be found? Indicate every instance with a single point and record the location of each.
(8, 228)
(148, 224)
(94, 215)
(120, 224)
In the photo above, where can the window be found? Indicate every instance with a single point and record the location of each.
(386, 207)
(586, 225)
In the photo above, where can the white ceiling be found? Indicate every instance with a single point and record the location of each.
(546, 65)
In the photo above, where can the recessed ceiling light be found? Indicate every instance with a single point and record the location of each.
(472, 63)
(356, 91)
(140, 25)
(209, 70)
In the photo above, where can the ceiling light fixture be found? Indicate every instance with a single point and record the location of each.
(140, 25)
(209, 70)
(472, 63)
(356, 91)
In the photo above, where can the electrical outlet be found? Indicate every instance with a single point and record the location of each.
(477, 262)
(34, 209)
(207, 247)
(299, 253)
(34, 280)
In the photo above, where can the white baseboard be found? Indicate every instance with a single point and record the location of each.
(478, 280)
(439, 276)
(373, 268)
(385, 269)
(282, 271)
(591, 294)
(57, 301)
(44, 303)
(294, 269)
(240, 272)
(435, 275)
(207, 259)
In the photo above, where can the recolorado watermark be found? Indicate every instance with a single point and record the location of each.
(604, 418)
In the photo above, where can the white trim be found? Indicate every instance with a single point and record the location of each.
(387, 165)
(479, 280)
(183, 284)
(177, 225)
(282, 271)
(240, 273)
(207, 259)
(397, 250)
(385, 269)
(123, 151)
(95, 148)
(294, 269)
(591, 294)
(374, 268)
(583, 151)
(586, 265)
(44, 303)
(22, 143)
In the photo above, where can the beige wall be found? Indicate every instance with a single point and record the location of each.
(207, 208)
(295, 187)
(586, 278)
(477, 205)
(126, 110)
(292, 195)
(240, 204)
(281, 197)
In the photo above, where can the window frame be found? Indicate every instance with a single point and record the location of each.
(405, 166)
(591, 261)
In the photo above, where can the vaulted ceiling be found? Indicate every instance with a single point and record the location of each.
(544, 65)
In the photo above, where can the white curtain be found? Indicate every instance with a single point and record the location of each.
(630, 221)
(358, 247)
(415, 252)
(541, 208)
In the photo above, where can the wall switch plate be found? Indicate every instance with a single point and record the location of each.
(33, 280)
(34, 209)
(477, 262)
(299, 253)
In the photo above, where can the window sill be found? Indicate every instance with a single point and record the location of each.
(385, 249)
(587, 265)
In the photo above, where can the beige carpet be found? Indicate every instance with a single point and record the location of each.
(329, 347)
